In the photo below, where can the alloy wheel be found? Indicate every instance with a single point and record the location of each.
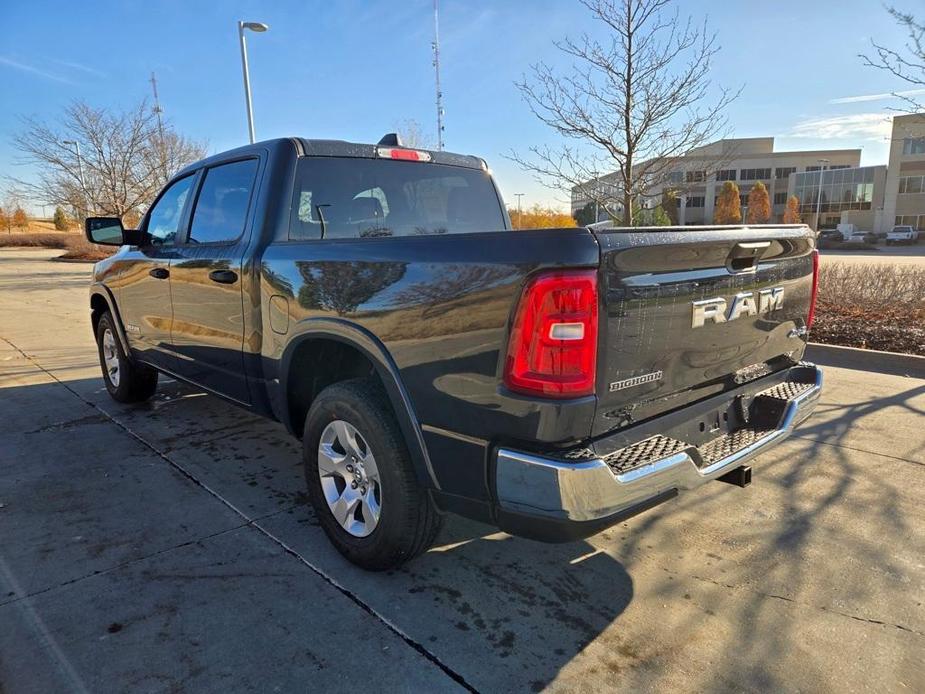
(111, 357)
(349, 478)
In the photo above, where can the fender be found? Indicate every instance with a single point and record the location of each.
(369, 345)
(103, 291)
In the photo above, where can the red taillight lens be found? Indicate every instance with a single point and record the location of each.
(815, 292)
(553, 347)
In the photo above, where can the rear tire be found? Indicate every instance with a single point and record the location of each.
(126, 382)
(357, 466)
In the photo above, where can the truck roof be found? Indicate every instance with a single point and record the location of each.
(342, 148)
(306, 147)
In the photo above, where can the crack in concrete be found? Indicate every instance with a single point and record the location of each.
(115, 567)
(799, 603)
(350, 595)
(89, 419)
(858, 450)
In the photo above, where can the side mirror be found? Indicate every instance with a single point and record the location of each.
(108, 231)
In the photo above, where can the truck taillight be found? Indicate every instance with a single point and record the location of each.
(815, 291)
(553, 347)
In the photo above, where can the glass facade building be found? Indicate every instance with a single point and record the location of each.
(842, 189)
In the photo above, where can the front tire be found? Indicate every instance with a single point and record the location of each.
(125, 381)
(361, 481)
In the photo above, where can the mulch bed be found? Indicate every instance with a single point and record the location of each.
(854, 327)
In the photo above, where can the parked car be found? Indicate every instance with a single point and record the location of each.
(375, 300)
(850, 233)
(834, 240)
(902, 233)
(867, 237)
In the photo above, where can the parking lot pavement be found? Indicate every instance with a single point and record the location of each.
(169, 547)
(890, 255)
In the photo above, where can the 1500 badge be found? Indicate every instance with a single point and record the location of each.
(718, 310)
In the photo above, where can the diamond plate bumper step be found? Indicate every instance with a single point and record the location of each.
(583, 486)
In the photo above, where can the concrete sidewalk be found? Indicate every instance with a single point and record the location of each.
(167, 547)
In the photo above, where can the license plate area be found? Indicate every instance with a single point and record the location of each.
(714, 423)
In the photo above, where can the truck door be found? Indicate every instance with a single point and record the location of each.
(205, 281)
(143, 287)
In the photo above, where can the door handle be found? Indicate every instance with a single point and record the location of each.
(223, 276)
(159, 273)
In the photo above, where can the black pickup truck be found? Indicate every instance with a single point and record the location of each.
(374, 299)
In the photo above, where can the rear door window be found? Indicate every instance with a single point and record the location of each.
(224, 198)
(365, 198)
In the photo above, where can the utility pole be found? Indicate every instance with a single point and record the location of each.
(157, 106)
(436, 47)
(520, 214)
(161, 144)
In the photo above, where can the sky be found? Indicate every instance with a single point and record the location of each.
(354, 70)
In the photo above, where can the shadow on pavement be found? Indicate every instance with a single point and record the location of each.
(85, 496)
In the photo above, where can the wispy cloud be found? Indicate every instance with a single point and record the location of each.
(876, 97)
(9, 62)
(863, 126)
(81, 67)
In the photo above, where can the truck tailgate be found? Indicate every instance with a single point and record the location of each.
(689, 313)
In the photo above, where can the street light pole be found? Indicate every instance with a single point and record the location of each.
(80, 173)
(520, 215)
(257, 27)
(822, 163)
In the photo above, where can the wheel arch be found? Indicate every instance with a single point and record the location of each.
(354, 339)
(101, 301)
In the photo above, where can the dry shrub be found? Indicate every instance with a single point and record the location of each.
(874, 286)
(50, 240)
(76, 245)
(81, 249)
(876, 306)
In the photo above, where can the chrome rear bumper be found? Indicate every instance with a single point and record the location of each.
(594, 488)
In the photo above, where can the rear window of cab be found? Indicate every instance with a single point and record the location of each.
(350, 197)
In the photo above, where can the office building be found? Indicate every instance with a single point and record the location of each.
(698, 176)
(904, 197)
(847, 195)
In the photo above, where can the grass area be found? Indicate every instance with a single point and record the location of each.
(76, 247)
(875, 306)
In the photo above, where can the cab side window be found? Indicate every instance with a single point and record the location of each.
(221, 208)
(167, 213)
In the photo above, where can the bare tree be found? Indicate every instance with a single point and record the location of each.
(634, 102)
(124, 159)
(12, 200)
(412, 134)
(907, 63)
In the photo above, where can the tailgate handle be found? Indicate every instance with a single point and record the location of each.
(744, 256)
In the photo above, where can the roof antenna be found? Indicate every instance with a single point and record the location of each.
(436, 47)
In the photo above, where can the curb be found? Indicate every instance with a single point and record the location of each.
(866, 360)
(72, 260)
